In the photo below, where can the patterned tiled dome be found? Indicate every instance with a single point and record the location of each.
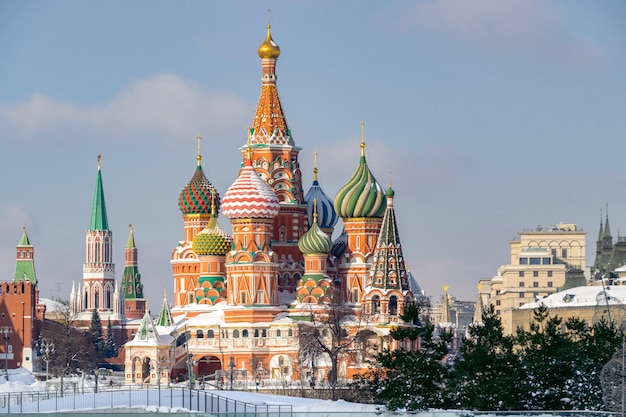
(250, 197)
(314, 240)
(198, 195)
(326, 215)
(362, 196)
(212, 240)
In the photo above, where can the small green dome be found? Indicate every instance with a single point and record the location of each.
(315, 241)
(212, 240)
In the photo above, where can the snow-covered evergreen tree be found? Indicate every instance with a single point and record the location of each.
(487, 362)
(110, 346)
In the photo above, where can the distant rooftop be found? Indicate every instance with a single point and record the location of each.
(561, 227)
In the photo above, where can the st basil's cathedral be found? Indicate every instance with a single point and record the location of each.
(242, 302)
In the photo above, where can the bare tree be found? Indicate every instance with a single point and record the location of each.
(334, 332)
(72, 349)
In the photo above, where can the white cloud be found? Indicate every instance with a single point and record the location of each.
(164, 106)
(529, 27)
(12, 219)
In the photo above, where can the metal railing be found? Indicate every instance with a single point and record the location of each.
(132, 397)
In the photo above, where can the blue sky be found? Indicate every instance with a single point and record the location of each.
(492, 117)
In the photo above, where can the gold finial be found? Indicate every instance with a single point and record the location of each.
(199, 157)
(268, 49)
(130, 225)
(269, 14)
(445, 288)
(164, 293)
(249, 144)
(315, 210)
(315, 170)
(99, 158)
(390, 176)
(362, 138)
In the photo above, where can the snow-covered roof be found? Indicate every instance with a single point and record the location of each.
(53, 306)
(581, 297)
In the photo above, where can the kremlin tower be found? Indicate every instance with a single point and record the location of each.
(99, 290)
(134, 302)
(122, 305)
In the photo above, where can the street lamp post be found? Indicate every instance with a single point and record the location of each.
(47, 349)
(190, 369)
(231, 365)
(6, 330)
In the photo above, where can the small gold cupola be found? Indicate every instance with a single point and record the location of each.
(269, 49)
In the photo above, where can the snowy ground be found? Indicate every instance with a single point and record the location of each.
(22, 381)
(23, 384)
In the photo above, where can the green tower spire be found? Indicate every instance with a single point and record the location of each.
(99, 219)
(25, 262)
(131, 278)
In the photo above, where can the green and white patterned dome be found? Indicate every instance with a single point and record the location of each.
(362, 196)
(315, 241)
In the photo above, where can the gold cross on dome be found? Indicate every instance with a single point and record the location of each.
(199, 157)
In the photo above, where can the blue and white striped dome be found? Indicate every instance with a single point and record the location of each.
(326, 215)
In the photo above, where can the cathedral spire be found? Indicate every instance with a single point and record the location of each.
(389, 269)
(607, 229)
(165, 315)
(601, 231)
(99, 219)
(478, 309)
(270, 125)
(445, 306)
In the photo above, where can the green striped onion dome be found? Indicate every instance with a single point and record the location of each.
(315, 241)
(198, 195)
(212, 240)
(362, 196)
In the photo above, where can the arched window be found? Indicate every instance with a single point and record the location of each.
(200, 334)
(97, 250)
(264, 333)
(256, 332)
(376, 304)
(96, 300)
(290, 333)
(393, 305)
(210, 334)
(278, 333)
(107, 297)
(235, 334)
(244, 333)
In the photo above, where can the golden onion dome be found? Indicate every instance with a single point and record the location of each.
(269, 49)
